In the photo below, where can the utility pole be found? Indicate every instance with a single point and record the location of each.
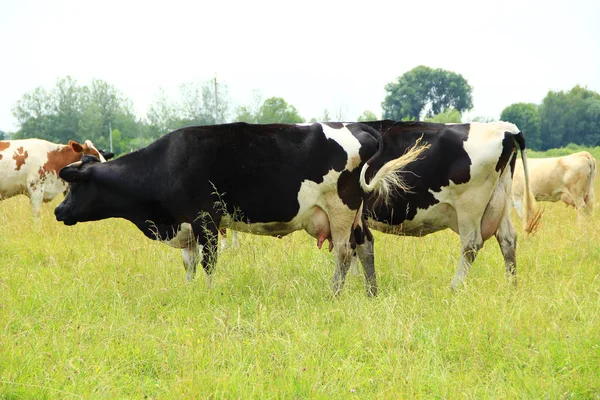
(110, 136)
(140, 126)
(216, 101)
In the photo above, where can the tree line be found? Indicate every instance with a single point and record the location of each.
(79, 112)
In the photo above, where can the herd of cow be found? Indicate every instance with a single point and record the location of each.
(335, 181)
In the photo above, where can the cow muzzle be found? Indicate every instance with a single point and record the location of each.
(60, 213)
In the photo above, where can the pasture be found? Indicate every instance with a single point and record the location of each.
(99, 311)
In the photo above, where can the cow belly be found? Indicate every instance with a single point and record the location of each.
(436, 218)
(12, 182)
(314, 221)
(551, 197)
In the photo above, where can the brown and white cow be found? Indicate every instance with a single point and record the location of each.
(30, 167)
(569, 178)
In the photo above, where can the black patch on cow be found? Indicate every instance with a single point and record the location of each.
(508, 149)
(334, 125)
(349, 189)
(446, 160)
(370, 139)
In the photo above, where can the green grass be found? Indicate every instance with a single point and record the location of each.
(99, 311)
(565, 151)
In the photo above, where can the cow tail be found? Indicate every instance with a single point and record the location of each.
(589, 193)
(531, 213)
(387, 180)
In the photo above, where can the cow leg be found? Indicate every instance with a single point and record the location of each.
(582, 210)
(210, 240)
(367, 259)
(234, 238)
(36, 197)
(192, 254)
(518, 204)
(471, 242)
(343, 257)
(507, 239)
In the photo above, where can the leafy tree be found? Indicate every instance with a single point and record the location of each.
(70, 99)
(427, 91)
(450, 115)
(197, 105)
(277, 110)
(324, 118)
(91, 122)
(162, 115)
(483, 119)
(272, 110)
(245, 114)
(34, 113)
(526, 116)
(216, 106)
(248, 113)
(35, 104)
(570, 117)
(72, 111)
(367, 115)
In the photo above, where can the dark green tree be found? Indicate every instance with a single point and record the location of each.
(277, 110)
(450, 115)
(527, 118)
(426, 90)
(367, 115)
(162, 115)
(570, 117)
(248, 112)
(72, 111)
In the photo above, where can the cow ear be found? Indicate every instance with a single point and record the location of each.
(107, 155)
(75, 172)
(77, 148)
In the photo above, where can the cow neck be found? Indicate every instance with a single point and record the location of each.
(60, 156)
(130, 175)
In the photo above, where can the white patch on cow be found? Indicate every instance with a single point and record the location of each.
(347, 141)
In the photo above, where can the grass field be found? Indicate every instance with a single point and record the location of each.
(99, 311)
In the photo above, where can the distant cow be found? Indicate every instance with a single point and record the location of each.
(569, 178)
(30, 167)
(279, 179)
(462, 182)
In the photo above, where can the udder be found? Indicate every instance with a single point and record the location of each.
(318, 227)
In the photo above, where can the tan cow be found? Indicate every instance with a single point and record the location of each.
(31, 166)
(569, 178)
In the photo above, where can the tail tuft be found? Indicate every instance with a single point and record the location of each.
(388, 180)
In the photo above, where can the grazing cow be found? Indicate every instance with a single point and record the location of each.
(569, 178)
(279, 179)
(462, 182)
(30, 167)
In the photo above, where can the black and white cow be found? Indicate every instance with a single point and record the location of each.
(462, 182)
(279, 179)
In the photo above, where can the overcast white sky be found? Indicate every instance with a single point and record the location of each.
(315, 54)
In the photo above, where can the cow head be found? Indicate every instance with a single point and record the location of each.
(90, 197)
(88, 148)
